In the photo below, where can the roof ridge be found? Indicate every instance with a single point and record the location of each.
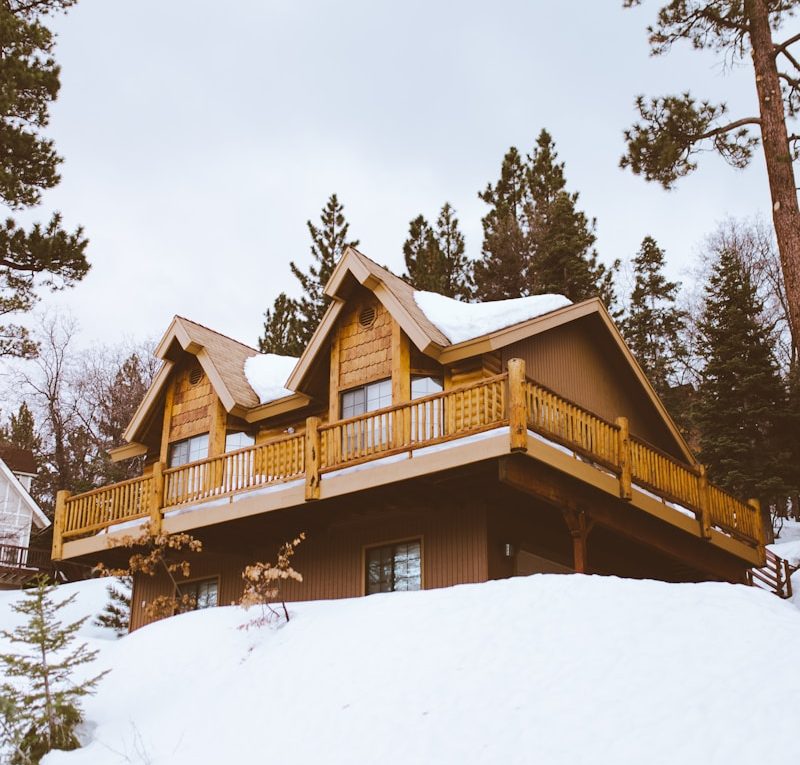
(217, 332)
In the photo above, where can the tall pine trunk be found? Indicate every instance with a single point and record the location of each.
(780, 170)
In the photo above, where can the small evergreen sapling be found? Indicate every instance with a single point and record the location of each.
(41, 711)
(262, 583)
(117, 612)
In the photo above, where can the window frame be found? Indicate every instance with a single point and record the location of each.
(187, 440)
(236, 433)
(196, 580)
(396, 541)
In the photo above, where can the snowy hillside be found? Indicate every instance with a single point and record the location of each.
(544, 669)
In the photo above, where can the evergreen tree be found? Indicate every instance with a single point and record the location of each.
(21, 431)
(328, 243)
(741, 402)
(535, 238)
(436, 259)
(45, 254)
(282, 331)
(654, 323)
(42, 710)
(117, 612)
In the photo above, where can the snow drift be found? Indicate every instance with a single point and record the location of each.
(543, 669)
(267, 374)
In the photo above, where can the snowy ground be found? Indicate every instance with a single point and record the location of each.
(544, 669)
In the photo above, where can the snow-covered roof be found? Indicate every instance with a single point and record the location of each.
(267, 374)
(460, 322)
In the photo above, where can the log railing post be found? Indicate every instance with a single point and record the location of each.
(705, 503)
(624, 451)
(762, 550)
(312, 457)
(156, 499)
(58, 523)
(517, 406)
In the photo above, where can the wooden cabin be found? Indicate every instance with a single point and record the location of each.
(419, 443)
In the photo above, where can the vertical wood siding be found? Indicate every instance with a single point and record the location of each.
(453, 537)
(585, 366)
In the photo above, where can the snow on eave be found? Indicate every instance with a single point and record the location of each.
(461, 322)
(267, 374)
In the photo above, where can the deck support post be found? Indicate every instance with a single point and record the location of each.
(705, 504)
(762, 550)
(517, 406)
(58, 523)
(312, 458)
(579, 530)
(624, 451)
(157, 498)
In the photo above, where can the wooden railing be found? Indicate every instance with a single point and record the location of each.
(508, 398)
(775, 575)
(638, 463)
(16, 557)
(232, 472)
(100, 508)
(422, 422)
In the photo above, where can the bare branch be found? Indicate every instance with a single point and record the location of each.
(781, 47)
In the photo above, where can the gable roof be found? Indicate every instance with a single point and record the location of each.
(40, 520)
(398, 298)
(19, 460)
(223, 358)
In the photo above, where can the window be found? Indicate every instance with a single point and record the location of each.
(367, 398)
(201, 593)
(361, 400)
(394, 567)
(188, 450)
(427, 418)
(239, 440)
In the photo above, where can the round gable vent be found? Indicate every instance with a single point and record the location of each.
(195, 376)
(367, 317)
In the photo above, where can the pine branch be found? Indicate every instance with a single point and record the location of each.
(781, 47)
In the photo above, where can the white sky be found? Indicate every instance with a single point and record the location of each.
(199, 137)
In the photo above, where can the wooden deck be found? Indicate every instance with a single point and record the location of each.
(605, 450)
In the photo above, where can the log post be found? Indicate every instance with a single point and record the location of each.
(705, 503)
(624, 450)
(58, 523)
(517, 406)
(762, 550)
(312, 458)
(579, 531)
(157, 498)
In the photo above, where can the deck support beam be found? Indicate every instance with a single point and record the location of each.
(517, 406)
(58, 523)
(579, 527)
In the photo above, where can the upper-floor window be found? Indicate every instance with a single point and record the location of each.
(188, 450)
(238, 440)
(366, 398)
(425, 386)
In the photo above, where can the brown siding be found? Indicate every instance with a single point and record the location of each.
(453, 537)
(364, 352)
(583, 364)
(192, 405)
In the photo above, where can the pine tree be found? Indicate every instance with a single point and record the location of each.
(42, 709)
(328, 243)
(740, 407)
(117, 612)
(21, 431)
(654, 323)
(535, 238)
(436, 259)
(45, 254)
(282, 330)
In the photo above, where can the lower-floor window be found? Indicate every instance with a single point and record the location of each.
(394, 567)
(202, 593)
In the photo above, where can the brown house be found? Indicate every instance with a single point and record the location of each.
(419, 443)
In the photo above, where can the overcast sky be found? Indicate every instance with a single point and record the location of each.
(199, 137)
